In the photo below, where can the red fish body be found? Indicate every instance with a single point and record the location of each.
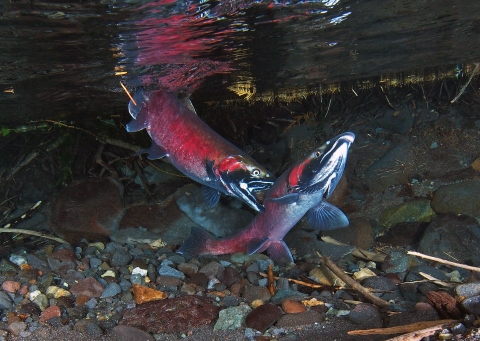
(196, 150)
(298, 190)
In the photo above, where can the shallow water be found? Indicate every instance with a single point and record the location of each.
(64, 60)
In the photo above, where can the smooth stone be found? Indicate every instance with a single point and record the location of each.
(263, 317)
(299, 319)
(253, 292)
(120, 258)
(417, 210)
(111, 290)
(471, 305)
(211, 269)
(455, 235)
(293, 307)
(287, 294)
(468, 290)
(129, 333)
(166, 270)
(366, 315)
(460, 198)
(232, 318)
(5, 301)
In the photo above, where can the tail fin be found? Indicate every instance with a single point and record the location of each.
(196, 244)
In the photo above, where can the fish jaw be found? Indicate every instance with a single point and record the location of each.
(243, 179)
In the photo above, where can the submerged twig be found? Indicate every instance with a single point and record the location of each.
(417, 327)
(33, 155)
(33, 233)
(271, 284)
(477, 65)
(443, 261)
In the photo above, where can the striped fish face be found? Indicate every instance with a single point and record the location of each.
(244, 178)
(322, 169)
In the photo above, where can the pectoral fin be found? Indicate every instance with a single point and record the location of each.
(135, 107)
(211, 195)
(154, 152)
(325, 216)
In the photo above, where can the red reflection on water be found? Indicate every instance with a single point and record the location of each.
(181, 43)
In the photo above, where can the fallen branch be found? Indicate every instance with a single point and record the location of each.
(33, 233)
(352, 283)
(443, 261)
(414, 330)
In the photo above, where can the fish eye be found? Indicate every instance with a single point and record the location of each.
(256, 172)
(318, 153)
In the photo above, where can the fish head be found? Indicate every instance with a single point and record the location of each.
(243, 178)
(322, 169)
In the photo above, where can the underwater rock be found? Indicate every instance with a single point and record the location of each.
(418, 210)
(263, 317)
(164, 219)
(397, 121)
(176, 315)
(393, 168)
(221, 221)
(462, 197)
(358, 233)
(456, 236)
(232, 318)
(89, 208)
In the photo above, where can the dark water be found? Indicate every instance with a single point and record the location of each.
(65, 60)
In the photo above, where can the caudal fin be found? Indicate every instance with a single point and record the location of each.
(196, 244)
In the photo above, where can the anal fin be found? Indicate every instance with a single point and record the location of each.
(279, 252)
(255, 245)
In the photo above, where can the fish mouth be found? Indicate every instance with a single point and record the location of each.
(245, 187)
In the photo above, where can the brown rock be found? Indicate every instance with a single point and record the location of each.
(81, 300)
(230, 276)
(88, 287)
(143, 294)
(64, 255)
(11, 286)
(90, 209)
(236, 289)
(254, 292)
(293, 307)
(299, 319)
(17, 327)
(177, 315)
(168, 281)
(263, 317)
(198, 278)
(50, 312)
